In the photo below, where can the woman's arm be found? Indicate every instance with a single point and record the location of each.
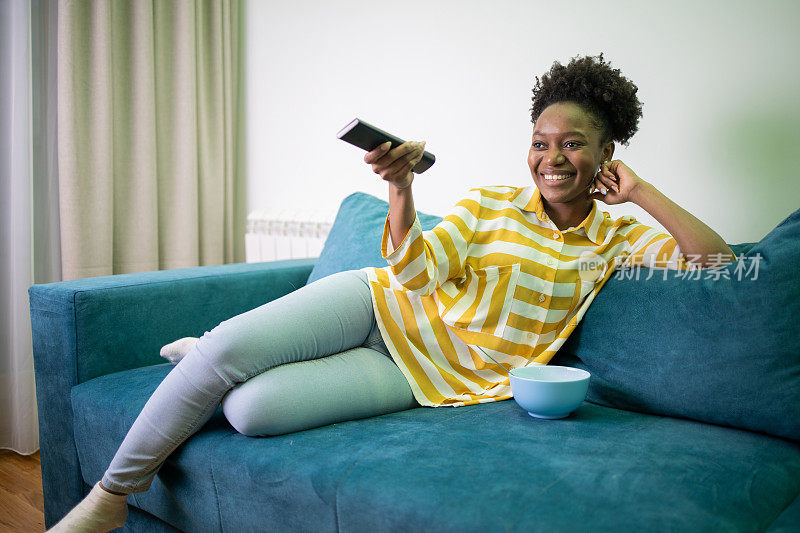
(420, 261)
(401, 213)
(395, 167)
(696, 240)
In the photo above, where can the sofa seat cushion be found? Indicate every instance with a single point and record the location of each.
(476, 468)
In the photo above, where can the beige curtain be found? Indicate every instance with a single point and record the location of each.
(149, 136)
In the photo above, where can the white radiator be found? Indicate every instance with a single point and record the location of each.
(286, 234)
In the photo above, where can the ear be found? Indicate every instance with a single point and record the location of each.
(608, 151)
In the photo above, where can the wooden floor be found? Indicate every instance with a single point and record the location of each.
(21, 500)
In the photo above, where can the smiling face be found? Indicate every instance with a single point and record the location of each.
(564, 157)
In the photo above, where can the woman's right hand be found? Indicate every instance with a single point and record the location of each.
(395, 165)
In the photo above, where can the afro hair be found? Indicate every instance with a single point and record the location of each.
(599, 89)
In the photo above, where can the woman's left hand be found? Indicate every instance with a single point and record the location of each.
(618, 180)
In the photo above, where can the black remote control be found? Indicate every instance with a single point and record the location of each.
(368, 137)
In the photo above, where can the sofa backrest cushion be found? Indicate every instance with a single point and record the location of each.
(355, 239)
(724, 348)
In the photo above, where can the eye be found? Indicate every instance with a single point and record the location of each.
(536, 145)
(576, 144)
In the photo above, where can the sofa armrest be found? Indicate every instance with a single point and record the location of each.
(89, 327)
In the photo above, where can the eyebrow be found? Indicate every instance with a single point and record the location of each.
(564, 134)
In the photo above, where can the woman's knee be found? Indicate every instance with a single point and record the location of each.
(250, 407)
(221, 349)
(269, 404)
(244, 344)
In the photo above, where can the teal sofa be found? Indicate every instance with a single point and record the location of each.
(692, 421)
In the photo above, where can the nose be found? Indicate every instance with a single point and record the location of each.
(554, 157)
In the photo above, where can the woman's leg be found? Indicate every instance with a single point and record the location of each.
(331, 315)
(357, 383)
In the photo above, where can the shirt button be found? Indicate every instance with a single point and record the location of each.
(555, 235)
(541, 297)
(550, 262)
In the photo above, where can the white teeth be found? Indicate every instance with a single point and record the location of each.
(556, 177)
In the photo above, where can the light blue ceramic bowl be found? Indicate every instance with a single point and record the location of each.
(549, 391)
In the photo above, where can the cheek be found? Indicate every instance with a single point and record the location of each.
(586, 165)
(586, 169)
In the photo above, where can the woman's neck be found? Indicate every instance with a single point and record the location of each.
(567, 216)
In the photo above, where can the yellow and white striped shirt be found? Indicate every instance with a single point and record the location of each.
(496, 280)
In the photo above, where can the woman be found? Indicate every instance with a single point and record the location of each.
(500, 283)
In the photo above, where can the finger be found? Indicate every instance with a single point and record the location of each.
(373, 155)
(393, 161)
(407, 169)
(420, 151)
(408, 147)
(599, 185)
(404, 160)
(391, 157)
(380, 151)
(402, 176)
(418, 158)
(597, 196)
(606, 169)
(609, 183)
(384, 162)
(409, 151)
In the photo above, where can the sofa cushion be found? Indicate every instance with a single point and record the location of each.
(475, 468)
(724, 348)
(355, 239)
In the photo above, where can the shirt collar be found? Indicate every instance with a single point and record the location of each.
(530, 199)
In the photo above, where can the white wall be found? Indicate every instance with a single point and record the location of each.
(719, 81)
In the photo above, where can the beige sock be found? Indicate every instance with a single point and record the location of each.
(98, 512)
(174, 351)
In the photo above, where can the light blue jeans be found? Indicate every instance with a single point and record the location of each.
(310, 358)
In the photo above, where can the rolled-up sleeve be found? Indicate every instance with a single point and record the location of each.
(649, 247)
(426, 259)
(655, 249)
